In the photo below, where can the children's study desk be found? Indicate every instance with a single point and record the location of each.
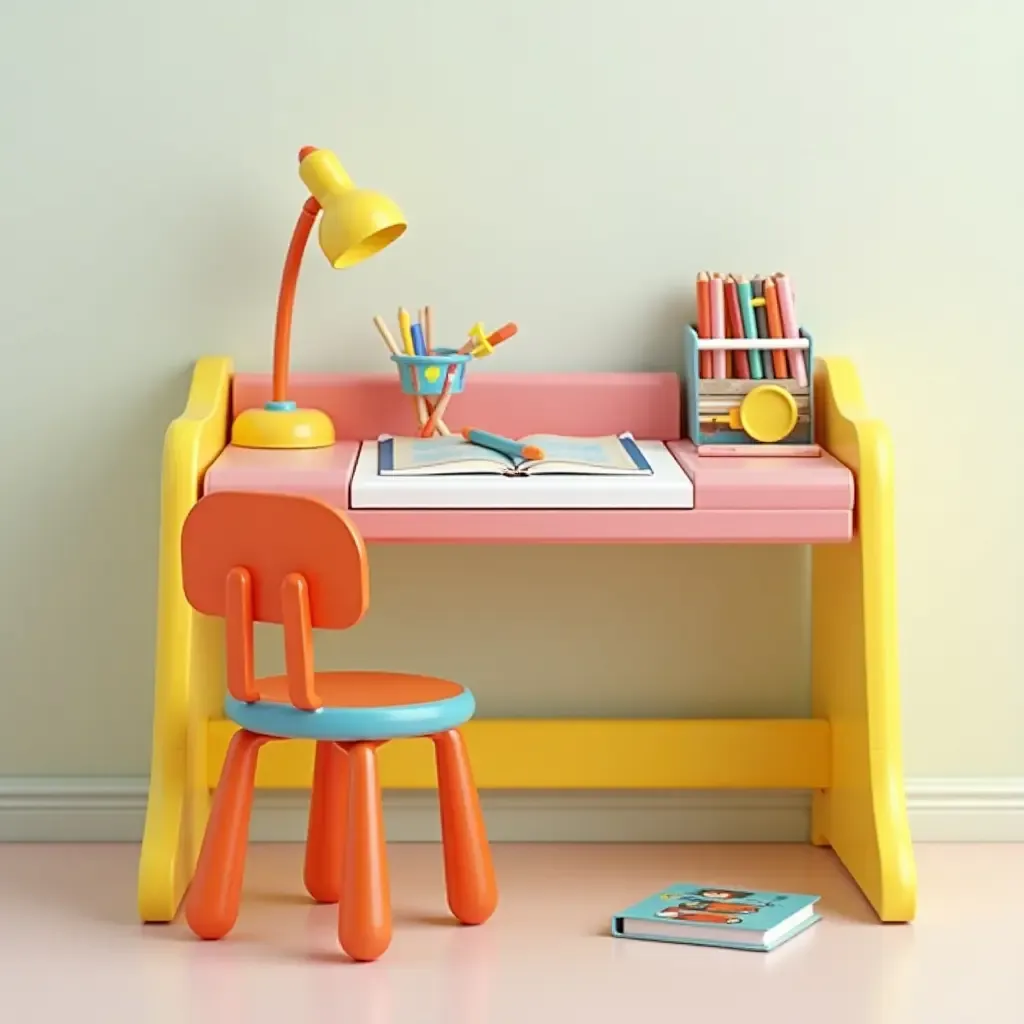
(848, 753)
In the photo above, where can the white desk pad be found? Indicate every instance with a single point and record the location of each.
(667, 487)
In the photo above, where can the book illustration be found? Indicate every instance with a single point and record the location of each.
(440, 456)
(680, 914)
(711, 906)
(722, 894)
(707, 896)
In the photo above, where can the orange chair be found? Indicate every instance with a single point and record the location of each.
(298, 562)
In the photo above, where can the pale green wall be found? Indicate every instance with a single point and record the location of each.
(570, 165)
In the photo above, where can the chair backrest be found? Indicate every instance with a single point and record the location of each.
(277, 558)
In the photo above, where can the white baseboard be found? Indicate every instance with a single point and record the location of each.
(966, 810)
(113, 809)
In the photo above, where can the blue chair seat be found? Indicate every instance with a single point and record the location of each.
(357, 706)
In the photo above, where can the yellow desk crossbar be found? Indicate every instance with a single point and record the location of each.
(584, 754)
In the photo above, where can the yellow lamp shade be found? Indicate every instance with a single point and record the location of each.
(355, 223)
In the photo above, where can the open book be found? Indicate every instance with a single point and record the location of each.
(442, 456)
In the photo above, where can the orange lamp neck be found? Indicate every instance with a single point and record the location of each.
(286, 297)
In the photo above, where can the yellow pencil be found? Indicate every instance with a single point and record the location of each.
(405, 326)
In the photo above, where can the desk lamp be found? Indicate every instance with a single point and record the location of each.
(355, 224)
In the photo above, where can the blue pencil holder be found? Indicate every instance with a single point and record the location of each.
(424, 375)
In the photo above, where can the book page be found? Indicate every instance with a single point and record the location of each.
(582, 455)
(427, 456)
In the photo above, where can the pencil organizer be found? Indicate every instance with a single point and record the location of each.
(425, 375)
(738, 407)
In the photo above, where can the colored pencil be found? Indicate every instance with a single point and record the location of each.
(740, 362)
(428, 329)
(382, 329)
(771, 303)
(704, 320)
(440, 425)
(717, 324)
(790, 328)
(728, 333)
(749, 326)
(428, 337)
(405, 326)
(421, 409)
(761, 317)
(427, 430)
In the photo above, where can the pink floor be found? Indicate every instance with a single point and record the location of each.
(69, 942)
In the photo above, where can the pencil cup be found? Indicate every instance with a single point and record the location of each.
(749, 407)
(425, 375)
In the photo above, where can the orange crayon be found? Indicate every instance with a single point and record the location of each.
(771, 302)
(704, 320)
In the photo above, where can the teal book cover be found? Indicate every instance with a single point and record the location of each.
(713, 916)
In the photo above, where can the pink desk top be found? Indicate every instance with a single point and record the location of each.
(765, 483)
(736, 500)
(780, 501)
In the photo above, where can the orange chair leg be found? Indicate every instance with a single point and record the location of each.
(211, 907)
(364, 913)
(326, 836)
(468, 869)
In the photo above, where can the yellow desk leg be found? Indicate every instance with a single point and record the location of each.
(189, 686)
(855, 668)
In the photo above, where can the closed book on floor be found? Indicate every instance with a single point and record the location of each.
(703, 915)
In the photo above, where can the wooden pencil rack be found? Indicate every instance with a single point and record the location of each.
(767, 414)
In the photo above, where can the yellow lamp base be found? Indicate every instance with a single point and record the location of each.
(283, 427)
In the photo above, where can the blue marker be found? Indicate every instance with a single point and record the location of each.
(419, 346)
